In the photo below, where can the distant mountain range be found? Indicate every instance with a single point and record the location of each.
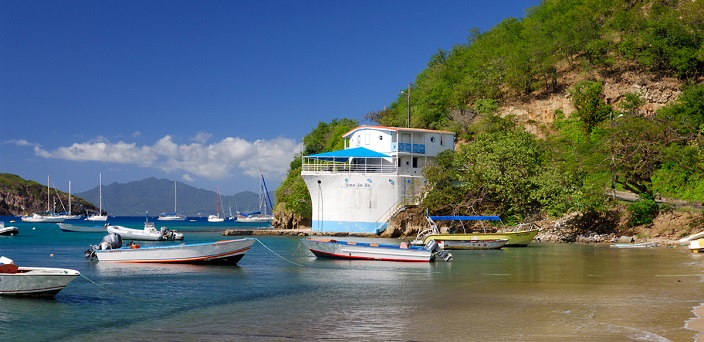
(157, 196)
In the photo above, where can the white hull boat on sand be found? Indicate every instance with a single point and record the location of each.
(227, 252)
(329, 248)
(635, 245)
(33, 281)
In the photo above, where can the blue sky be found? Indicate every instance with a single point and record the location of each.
(205, 92)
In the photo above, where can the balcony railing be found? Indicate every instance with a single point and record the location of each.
(333, 167)
(409, 148)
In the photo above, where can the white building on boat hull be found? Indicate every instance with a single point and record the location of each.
(360, 188)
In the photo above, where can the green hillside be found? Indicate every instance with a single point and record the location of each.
(614, 136)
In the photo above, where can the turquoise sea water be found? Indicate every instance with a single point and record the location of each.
(544, 292)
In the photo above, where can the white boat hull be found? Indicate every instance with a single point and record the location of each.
(36, 218)
(142, 234)
(97, 218)
(227, 252)
(65, 227)
(472, 244)
(255, 220)
(9, 230)
(366, 251)
(171, 218)
(215, 219)
(36, 281)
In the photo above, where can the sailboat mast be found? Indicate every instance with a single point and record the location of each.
(101, 194)
(48, 192)
(69, 197)
(174, 197)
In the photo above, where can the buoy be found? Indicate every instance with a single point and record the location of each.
(51, 255)
(33, 228)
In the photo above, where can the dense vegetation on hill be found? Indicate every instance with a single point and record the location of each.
(20, 197)
(561, 47)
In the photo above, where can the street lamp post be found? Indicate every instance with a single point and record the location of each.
(408, 98)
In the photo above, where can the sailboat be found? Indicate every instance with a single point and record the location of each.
(172, 216)
(99, 216)
(216, 218)
(47, 217)
(264, 215)
(67, 215)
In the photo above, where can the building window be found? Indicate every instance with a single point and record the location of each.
(415, 162)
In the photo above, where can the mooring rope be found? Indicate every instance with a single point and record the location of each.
(270, 250)
(117, 293)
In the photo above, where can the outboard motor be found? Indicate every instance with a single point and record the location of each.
(432, 246)
(111, 241)
(445, 255)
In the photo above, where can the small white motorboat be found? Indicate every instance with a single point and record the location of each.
(227, 252)
(9, 230)
(66, 227)
(149, 233)
(33, 281)
(329, 248)
(635, 245)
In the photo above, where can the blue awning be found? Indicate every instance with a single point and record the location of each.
(344, 155)
(465, 218)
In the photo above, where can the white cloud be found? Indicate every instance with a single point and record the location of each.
(19, 142)
(202, 137)
(213, 161)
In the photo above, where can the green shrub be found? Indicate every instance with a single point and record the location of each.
(642, 211)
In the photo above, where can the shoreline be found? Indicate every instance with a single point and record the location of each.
(696, 323)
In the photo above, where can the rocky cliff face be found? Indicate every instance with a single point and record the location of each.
(284, 219)
(539, 109)
(30, 197)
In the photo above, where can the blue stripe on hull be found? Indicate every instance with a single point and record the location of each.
(349, 226)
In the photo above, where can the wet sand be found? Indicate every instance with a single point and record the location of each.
(697, 323)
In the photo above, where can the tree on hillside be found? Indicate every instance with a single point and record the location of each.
(293, 194)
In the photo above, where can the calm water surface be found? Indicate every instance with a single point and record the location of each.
(544, 292)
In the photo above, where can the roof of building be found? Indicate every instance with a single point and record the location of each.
(344, 155)
(396, 129)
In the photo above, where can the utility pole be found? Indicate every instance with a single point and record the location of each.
(409, 105)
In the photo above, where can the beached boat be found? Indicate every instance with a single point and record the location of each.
(696, 246)
(692, 237)
(520, 235)
(67, 227)
(227, 252)
(635, 245)
(8, 230)
(49, 216)
(172, 216)
(33, 281)
(335, 249)
(149, 233)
